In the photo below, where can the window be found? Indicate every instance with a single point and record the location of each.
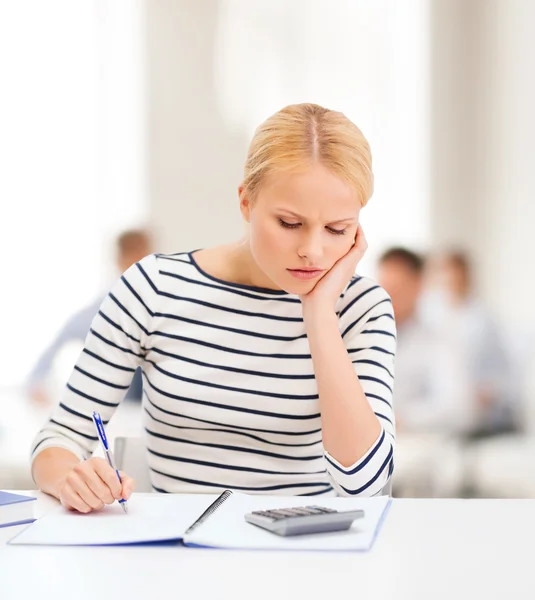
(72, 155)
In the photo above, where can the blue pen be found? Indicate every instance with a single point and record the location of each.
(104, 441)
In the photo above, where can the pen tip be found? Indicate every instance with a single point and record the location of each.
(125, 508)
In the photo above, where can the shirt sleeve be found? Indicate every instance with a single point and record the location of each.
(368, 329)
(114, 347)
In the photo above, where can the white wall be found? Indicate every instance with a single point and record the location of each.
(511, 240)
(194, 159)
(218, 68)
(483, 129)
(483, 158)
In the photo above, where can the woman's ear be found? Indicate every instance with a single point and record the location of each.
(245, 204)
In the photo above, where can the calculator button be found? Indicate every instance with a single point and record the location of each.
(313, 510)
(301, 511)
(322, 509)
(307, 511)
(273, 514)
(283, 512)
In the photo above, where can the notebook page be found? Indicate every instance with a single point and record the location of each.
(150, 518)
(227, 527)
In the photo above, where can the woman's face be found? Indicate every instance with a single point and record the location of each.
(301, 221)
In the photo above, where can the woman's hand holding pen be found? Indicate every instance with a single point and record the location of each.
(93, 483)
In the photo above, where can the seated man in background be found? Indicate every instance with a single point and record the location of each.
(431, 393)
(432, 396)
(131, 246)
(452, 305)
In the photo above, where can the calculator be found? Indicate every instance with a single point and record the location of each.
(303, 520)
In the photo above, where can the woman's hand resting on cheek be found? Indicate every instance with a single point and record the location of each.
(93, 483)
(326, 292)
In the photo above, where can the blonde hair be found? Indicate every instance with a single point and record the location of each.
(302, 135)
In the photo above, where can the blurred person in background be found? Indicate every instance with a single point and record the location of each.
(431, 392)
(130, 247)
(432, 397)
(451, 305)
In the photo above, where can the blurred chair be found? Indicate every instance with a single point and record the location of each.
(520, 347)
(131, 457)
(428, 465)
(387, 490)
(502, 467)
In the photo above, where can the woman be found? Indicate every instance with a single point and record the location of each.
(267, 366)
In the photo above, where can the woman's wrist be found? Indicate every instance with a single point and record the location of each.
(51, 467)
(318, 315)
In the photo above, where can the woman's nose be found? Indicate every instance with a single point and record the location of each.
(310, 247)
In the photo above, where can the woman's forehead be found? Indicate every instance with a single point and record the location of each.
(312, 190)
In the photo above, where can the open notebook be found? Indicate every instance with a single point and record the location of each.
(201, 520)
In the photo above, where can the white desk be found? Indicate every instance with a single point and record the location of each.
(427, 549)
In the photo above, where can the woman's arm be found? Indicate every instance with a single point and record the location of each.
(114, 348)
(351, 333)
(349, 425)
(353, 357)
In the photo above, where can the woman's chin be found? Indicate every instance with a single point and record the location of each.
(298, 288)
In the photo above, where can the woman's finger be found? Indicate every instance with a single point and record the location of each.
(129, 485)
(109, 477)
(72, 501)
(98, 487)
(360, 240)
(86, 494)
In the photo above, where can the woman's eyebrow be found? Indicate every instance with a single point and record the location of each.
(301, 218)
(349, 219)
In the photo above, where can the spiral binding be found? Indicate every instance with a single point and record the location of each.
(210, 510)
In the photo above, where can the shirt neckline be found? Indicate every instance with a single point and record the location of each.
(241, 286)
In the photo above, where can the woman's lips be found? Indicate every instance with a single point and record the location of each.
(305, 274)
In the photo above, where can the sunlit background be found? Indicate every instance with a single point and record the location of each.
(121, 114)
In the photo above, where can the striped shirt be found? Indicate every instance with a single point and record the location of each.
(230, 398)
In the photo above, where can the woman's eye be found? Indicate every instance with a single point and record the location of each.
(337, 231)
(289, 225)
(295, 225)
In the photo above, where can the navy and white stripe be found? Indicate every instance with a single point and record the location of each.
(230, 399)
